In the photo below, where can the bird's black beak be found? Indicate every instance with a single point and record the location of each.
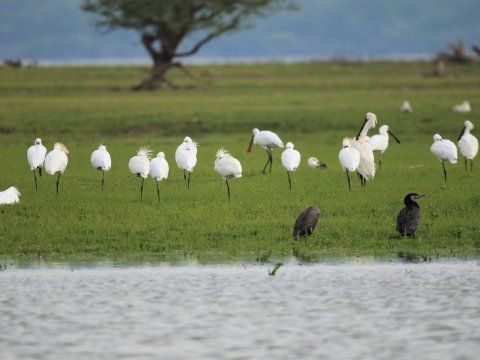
(250, 145)
(359, 132)
(461, 134)
(396, 139)
(419, 196)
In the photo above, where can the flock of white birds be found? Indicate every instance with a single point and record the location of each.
(356, 155)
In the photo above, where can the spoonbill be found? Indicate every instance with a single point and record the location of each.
(101, 160)
(10, 196)
(306, 222)
(159, 170)
(379, 142)
(462, 108)
(406, 107)
(366, 168)
(444, 150)
(227, 167)
(290, 160)
(267, 140)
(139, 165)
(36, 156)
(349, 158)
(186, 157)
(408, 218)
(468, 143)
(56, 161)
(313, 162)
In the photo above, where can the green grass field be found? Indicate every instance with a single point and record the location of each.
(314, 105)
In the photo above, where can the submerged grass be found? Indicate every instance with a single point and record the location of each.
(313, 105)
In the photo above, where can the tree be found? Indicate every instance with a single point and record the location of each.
(166, 25)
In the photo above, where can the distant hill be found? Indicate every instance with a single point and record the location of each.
(60, 30)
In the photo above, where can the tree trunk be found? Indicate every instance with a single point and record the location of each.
(157, 79)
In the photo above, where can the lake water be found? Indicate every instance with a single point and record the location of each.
(321, 311)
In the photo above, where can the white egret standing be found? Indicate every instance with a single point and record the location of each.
(366, 168)
(36, 156)
(462, 108)
(379, 142)
(444, 150)
(266, 140)
(468, 144)
(186, 157)
(159, 170)
(101, 160)
(139, 165)
(349, 158)
(290, 160)
(227, 167)
(406, 107)
(10, 196)
(56, 161)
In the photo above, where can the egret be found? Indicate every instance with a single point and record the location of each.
(406, 107)
(10, 196)
(462, 108)
(139, 165)
(313, 162)
(379, 142)
(36, 156)
(267, 140)
(186, 157)
(159, 170)
(366, 168)
(444, 150)
(468, 144)
(408, 218)
(306, 222)
(56, 161)
(349, 158)
(290, 160)
(101, 160)
(227, 167)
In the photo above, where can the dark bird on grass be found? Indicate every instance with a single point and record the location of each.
(408, 218)
(306, 222)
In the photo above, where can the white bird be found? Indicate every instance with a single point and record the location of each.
(406, 107)
(159, 170)
(36, 156)
(462, 108)
(10, 196)
(186, 157)
(266, 140)
(366, 168)
(227, 167)
(56, 161)
(379, 142)
(139, 165)
(349, 158)
(468, 143)
(290, 160)
(444, 150)
(313, 162)
(101, 160)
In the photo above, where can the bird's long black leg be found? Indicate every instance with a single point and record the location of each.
(289, 181)
(444, 171)
(58, 181)
(361, 179)
(158, 192)
(40, 171)
(184, 177)
(380, 162)
(348, 178)
(265, 167)
(466, 164)
(141, 189)
(35, 177)
(103, 178)
(270, 158)
(228, 189)
(471, 164)
(188, 183)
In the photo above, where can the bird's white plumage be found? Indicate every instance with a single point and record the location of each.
(348, 156)
(290, 158)
(444, 149)
(366, 168)
(186, 154)
(406, 107)
(227, 166)
(159, 167)
(468, 144)
(380, 141)
(10, 196)
(57, 159)
(462, 108)
(36, 154)
(139, 165)
(266, 139)
(101, 159)
(313, 162)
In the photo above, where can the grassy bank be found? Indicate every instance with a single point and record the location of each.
(313, 105)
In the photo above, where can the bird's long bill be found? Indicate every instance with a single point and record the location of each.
(419, 196)
(360, 131)
(461, 134)
(396, 139)
(250, 145)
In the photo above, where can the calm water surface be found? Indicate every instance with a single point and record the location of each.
(348, 311)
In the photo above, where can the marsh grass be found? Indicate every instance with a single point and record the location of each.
(313, 105)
